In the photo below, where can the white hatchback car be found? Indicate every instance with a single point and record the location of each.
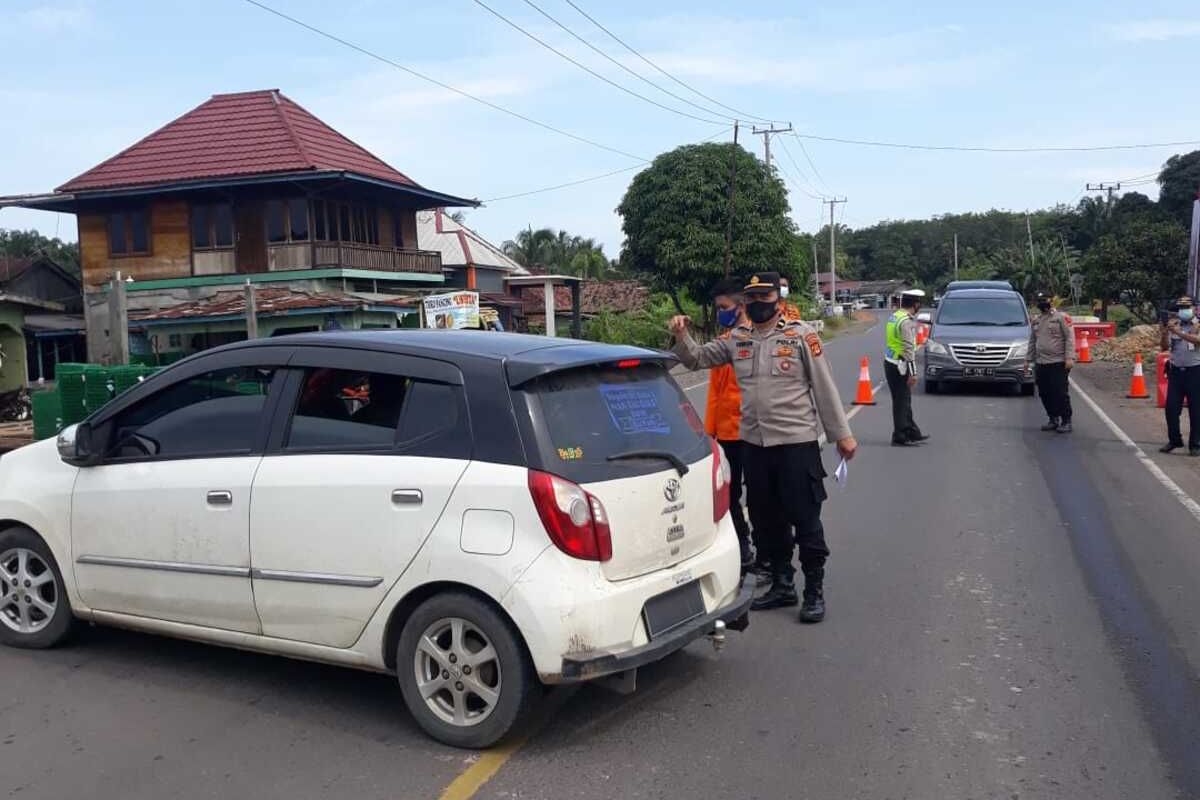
(474, 512)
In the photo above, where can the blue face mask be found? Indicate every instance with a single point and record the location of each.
(1186, 314)
(727, 317)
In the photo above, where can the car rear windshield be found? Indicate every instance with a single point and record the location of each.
(606, 422)
(999, 311)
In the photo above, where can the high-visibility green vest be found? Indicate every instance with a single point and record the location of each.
(895, 345)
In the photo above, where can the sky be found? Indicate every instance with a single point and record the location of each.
(85, 78)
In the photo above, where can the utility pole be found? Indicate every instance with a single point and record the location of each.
(1105, 187)
(1029, 233)
(251, 312)
(833, 201)
(816, 274)
(766, 134)
(729, 215)
(956, 256)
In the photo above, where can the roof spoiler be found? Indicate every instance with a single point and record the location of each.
(529, 366)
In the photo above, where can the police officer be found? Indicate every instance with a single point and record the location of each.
(1052, 347)
(788, 395)
(900, 368)
(1181, 338)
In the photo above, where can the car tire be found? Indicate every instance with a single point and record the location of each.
(470, 705)
(933, 387)
(1027, 389)
(35, 612)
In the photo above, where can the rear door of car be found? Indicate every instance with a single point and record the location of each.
(623, 431)
(364, 453)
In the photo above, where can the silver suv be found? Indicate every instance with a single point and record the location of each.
(979, 335)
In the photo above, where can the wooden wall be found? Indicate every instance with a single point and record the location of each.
(170, 247)
(408, 228)
(387, 231)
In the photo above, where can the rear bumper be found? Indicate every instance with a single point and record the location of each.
(597, 665)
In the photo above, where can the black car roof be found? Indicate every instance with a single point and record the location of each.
(525, 356)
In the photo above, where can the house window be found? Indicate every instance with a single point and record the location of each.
(212, 226)
(342, 222)
(128, 233)
(287, 220)
(398, 228)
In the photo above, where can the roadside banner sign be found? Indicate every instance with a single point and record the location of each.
(452, 311)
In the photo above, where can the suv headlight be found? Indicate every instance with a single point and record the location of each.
(1019, 350)
(937, 348)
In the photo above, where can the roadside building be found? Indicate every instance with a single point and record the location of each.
(246, 187)
(471, 262)
(40, 320)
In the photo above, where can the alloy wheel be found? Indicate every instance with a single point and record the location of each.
(29, 593)
(457, 671)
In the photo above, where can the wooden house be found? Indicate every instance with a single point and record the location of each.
(247, 187)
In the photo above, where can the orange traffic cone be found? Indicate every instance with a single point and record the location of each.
(1137, 386)
(865, 396)
(921, 335)
(1085, 352)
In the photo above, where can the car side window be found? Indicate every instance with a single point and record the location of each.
(434, 422)
(217, 413)
(346, 410)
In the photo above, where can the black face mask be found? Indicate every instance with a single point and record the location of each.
(760, 311)
(1044, 306)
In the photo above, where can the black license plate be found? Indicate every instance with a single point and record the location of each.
(978, 372)
(669, 610)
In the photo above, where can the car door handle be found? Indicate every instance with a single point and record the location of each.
(220, 497)
(407, 497)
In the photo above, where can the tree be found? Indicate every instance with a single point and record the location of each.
(27, 244)
(1178, 183)
(674, 217)
(1141, 264)
(530, 248)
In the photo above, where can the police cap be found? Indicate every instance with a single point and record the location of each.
(762, 283)
(1184, 302)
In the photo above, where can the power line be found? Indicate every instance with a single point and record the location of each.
(632, 72)
(601, 176)
(791, 158)
(811, 163)
(589, 70)
(441, 84)
(796, 184)
(980, 149)
(692, 89)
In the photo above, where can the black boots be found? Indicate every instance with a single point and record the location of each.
(781, 594)
(1051, 424)
(1064, 426)
(813, 609)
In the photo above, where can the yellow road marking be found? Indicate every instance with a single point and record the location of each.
(472, 779)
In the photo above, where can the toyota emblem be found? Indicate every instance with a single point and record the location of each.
(671, 490)
(981, 348)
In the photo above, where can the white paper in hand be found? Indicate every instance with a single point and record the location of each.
(841, 472)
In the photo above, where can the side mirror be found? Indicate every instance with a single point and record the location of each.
(924, 316)
(75, 445)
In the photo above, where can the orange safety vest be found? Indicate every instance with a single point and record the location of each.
(723, 413)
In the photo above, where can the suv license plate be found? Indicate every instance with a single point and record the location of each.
(978, 372)
(669, 610)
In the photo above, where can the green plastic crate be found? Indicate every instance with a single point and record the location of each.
(98, 387)
(47, 414)
(69, 377)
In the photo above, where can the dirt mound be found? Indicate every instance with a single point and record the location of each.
(1142, 339)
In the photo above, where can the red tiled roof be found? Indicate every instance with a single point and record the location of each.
(267, 301)
(250, 133)
(594, 297)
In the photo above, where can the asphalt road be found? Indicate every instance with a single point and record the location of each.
(1011, 614)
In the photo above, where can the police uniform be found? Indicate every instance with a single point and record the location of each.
(899, 362)
(1183, 382)
(788, 396)
(1052, 348)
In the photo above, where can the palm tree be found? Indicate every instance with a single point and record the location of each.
(531, 248)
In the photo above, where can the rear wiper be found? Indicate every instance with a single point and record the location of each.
(675, 460)
(1007, 324)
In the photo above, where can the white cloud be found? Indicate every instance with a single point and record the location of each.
(1154, 30)
(55, 19)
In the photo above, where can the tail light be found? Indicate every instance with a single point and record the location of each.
(574, 520)
(720, 482)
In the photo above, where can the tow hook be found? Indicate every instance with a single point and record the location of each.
(717, 637)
